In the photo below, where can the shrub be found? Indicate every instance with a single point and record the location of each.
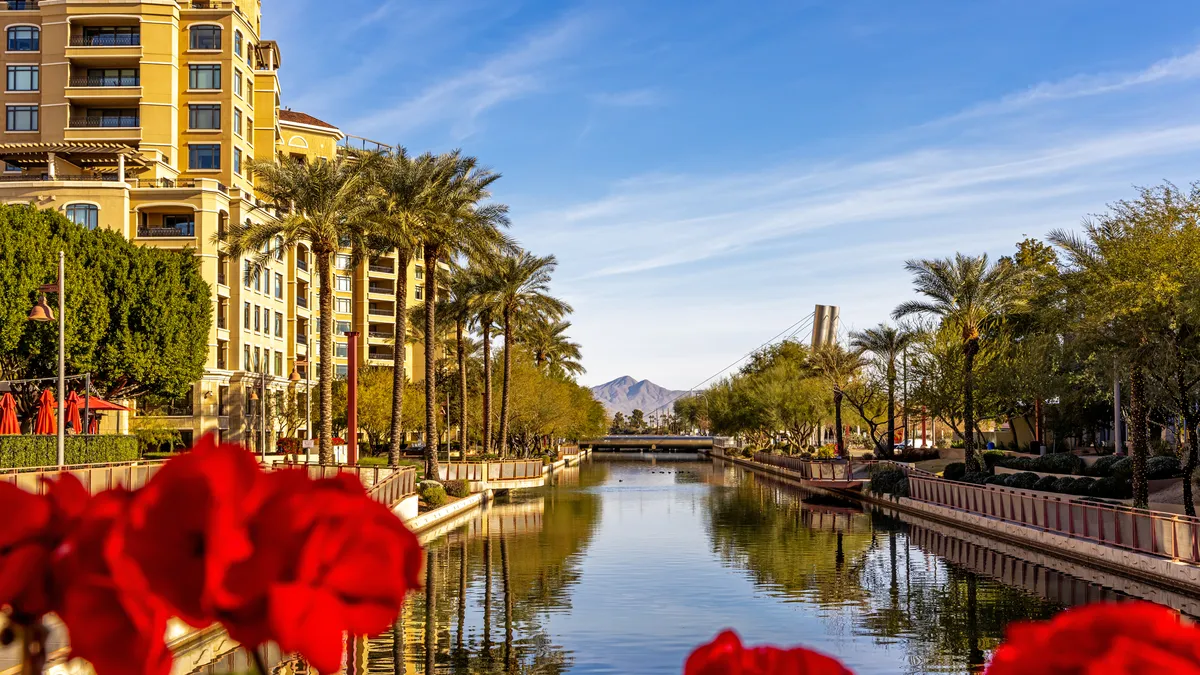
(868, 456)
(916, 455)
(996, 480)
(954, 471)
(976, 477)
(1064, 484)
(1103, 467)
(827, 452)
(1123, 468)
(1110, 488)
(889, 480)
(1159, 468)
(1046, 484)
(19, 452)
(1063, 462)
(1023, 481)
(1081, 486)
(748, 453)
(993, 458)
(432, 493)
(458, 488)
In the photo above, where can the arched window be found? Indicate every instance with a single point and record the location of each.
(206, 37)
(279, 248)
(237, 42)
(87, 215)
(24, 39)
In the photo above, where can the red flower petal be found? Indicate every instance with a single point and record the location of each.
(726, 656)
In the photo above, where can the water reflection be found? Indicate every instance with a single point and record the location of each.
(629, 562)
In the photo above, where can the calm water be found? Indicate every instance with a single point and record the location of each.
(627, 564)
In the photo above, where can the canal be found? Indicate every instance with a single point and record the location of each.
(630, 561)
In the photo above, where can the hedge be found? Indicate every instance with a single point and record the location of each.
(21, 452)
(889, 480)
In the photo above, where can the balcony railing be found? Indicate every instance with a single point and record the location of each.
(91, 178)
(91, 122)
(209, 4)
(222, 322)
(380, 289)
(189, 231)
(375, 311)
(19, 4)
(381, 335)
(382, 268)
(302, 301)
(117, 40)
(302, 264)
(90, 81)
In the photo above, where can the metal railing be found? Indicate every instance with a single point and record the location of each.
(382, 335)
(95, 477)
(808, 469)
(19, 4)
(1164, 535)
(381, 290)
(491, 471)
(166, 232)
(45, 177)
(114, 40)
(386, 485)
(375, 311)
(90, 81)
(302, 265)
(382, 268)
(93, 122)
(209, 4)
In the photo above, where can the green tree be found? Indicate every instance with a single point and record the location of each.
(618, 423)
(552, 349)
(888, 344)
(971, 295)
(325, 205)
(839, 368)
(637, 421)
(520, 289)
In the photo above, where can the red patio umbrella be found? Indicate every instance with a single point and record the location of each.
(47, 423)
(94, 425)
(8, 416)
(74, 424)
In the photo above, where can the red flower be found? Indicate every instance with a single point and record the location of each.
(1131, 638)
(30, 532)
(726, 656)
(188, 525)
(115, 624)
(328, 560)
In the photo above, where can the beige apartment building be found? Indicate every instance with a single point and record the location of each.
(141, 117)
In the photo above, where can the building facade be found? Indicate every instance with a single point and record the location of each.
(142, 117)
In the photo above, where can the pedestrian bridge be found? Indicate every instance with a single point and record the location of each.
(630, 443)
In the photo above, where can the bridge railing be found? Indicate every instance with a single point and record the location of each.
(1164, 535)
(95, 477)
(477, 472)
(828, 470)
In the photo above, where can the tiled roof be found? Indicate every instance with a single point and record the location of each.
(303, 118)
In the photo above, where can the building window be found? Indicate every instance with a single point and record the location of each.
(237, 121)
(111, 77)
(246, 316)
(222, 269)
(222, 356)
(341, 283)
(341, 327)
(237, 161)
(205, 76)
(341, 349)
(206, 37)
(204, 116)
(279, 248)
(267, 320)
(278, 325)
(340, 370)
(87, 215)
(112, 36)
(420, 272)
(420, 291)
(204, 157)
(22, 118)
(257, 320)
(237, 82)
(257, 359)
(278, 285)
(185, 224)
(23, 78)
(420, 253)
(246, 354)
(342, 262)
(278, 364)
(237, 42)
(246, 272)
(257, 279)
(24, 39)
(343, 305)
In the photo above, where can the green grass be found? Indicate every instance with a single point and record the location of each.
(382, 461)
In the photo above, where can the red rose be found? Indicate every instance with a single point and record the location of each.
(726, 656)
(30, 532)
(114, 624)
(188, 525)
(328, 560)
(1129, 638)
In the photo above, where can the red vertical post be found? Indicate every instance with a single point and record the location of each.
(352, 399)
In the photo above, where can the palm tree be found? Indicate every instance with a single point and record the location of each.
(970, 295)
(459, 306)
(323, 204)
(406, 189)
(839, 367)
(887, 343)
(521, 284)
(461, 224)
(552, 350)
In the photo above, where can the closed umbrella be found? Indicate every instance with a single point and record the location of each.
(73, 422)
(8, 416)
(94, 425)
(47, 424)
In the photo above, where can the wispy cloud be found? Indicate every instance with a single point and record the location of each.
(1178, 68)
(461, 99)
(633, 98)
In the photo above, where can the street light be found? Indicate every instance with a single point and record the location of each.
(42, 313)
(294, 378)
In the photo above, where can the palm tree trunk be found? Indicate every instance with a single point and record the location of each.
(508, 604)
(1193, 460)
(325, 298)
(1138, 418)
(485, 321)
(505, 394)
(837, 418)
(399, 349)
(431, 459)
(430, 611)
(970, 349)
(888, 449)
(462, 390)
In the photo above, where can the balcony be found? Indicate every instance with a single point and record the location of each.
(382, 311)
(302, 264)
(18, 5)
(91, 81)
(380, 335)
(208, 4)
(105, 122)
(381, 290)
(45, 177)
(302, 302)
(222, 322)
(107, 40)
(385, 269)
(181, 184)
(184, 231)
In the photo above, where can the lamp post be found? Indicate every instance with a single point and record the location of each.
(42, 313)
(295, 378)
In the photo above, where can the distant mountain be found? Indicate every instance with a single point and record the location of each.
(624, 395)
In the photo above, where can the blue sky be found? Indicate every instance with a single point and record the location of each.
(707, 171)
